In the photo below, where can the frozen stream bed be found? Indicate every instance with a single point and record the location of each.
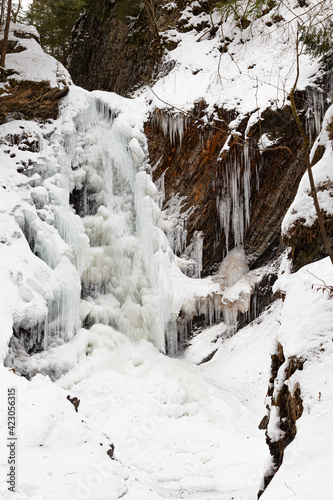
(179, 430)
(187, 431)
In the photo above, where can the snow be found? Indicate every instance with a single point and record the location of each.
(305, 332)
(173, 423)
(303, 207)
(257, 71)
(33, 64)
(181, 428)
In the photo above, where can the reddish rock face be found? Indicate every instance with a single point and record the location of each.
(198, 170)
(30, 100)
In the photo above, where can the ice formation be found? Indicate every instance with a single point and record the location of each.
(90, 214)
(233, 202)
(172, 124)
(315, 112)
(93, 243)
(92, 218)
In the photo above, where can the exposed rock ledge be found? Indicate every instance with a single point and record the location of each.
(284, 408)
(28, 100)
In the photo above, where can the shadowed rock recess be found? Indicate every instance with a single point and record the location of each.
(116, 46)
(197, 171)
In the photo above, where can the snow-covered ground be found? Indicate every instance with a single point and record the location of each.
(179, 429)
(246, 70)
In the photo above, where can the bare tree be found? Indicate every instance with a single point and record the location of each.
(16, 11)
(5, 37)
(2, 11)
(150, 10)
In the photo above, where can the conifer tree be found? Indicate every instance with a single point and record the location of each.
(54, 20)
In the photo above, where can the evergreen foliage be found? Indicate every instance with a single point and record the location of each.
(317, 40)
(243, 12)
(54, 20)
(128, 8)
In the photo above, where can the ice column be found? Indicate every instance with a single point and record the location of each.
(233, 203)
(315, 112)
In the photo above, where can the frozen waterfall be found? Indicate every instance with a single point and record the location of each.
(125, 282)
(101, 249)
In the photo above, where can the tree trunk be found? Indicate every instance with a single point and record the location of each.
(2, 12)
(5, 38)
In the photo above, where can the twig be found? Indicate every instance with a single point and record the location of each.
(290, 489)
(232, 132)
(317, 278)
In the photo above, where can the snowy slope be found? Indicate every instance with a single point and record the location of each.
(245, 71)
(305, 331)
(182, 431)
(303, 207)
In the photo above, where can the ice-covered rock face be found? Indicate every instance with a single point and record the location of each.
(92, 245)
(84, 239)
(119, 284)
(44, 248)
(107, 244)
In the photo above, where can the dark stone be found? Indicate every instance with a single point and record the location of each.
(12, 47)
(113, 52)
(264, 423)
(209, 357)
(28, 339)
(60, 94)
(110, 452)
(75, 402)
(26, 35)
(306, 243)
(34, 100)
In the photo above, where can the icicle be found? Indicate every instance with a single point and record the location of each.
(172, 124)
(172, 338)
(224, 210)
(247, 185)
(233, 203)
(175, 224)
(315, 112)
(197, 254)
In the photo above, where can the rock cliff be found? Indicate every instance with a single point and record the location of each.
(200, 174)
(117, 48)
